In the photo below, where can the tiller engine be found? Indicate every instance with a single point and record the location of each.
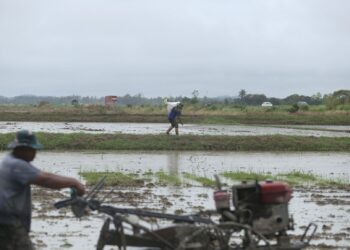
(263, 208)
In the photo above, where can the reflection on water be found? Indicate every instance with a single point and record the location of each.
(173, 162)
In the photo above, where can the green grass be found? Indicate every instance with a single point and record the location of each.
(84, 141)
(294, 177)
(161, 178)
(299, 177)
(112, 178)
(122, 179)
(148, 173)
(203, 180)
(167, 179)
(247, 176)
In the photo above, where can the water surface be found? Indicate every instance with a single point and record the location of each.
(204, 163)
(160, 128)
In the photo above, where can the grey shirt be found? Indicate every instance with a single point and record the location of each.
(15, 192)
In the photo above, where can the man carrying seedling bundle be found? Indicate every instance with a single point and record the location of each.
(174, 117)
(16, 176)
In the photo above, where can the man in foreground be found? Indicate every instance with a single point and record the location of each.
(17, 175)
(174, 118)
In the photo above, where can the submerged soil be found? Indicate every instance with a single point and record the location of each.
(57, 229)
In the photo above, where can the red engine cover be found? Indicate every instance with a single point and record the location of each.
(275, 192)
(222, 199)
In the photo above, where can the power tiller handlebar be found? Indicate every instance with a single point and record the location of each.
(79, 204)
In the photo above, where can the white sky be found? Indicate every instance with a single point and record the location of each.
(170, 48)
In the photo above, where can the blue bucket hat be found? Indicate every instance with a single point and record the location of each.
(25, 138)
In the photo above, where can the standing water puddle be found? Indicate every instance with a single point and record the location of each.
(329, 209)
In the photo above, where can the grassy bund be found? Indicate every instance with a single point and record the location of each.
(83, 141)
(191, 114)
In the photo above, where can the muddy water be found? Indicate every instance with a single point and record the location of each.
(329, 209)
(330, 165)
(61, 230)
(159, 128)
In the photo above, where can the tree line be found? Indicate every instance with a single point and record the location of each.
(339, 97)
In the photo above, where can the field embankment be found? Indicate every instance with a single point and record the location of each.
(82, 141)
(155, 114)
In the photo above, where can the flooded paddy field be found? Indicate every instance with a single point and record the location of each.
(203, 163)
(160, 128)
(328, 207)
(52, 229)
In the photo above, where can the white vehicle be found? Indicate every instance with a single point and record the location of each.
(266, 104)
(302, 104)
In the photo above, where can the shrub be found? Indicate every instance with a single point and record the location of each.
(294, 108)
(304, 108)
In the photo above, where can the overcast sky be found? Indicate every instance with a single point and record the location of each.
(170, 48)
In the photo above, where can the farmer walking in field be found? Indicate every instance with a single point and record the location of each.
(17, 175)
(174, 113)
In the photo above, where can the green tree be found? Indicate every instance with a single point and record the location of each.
(338, 98)
(242, 93)
(195, 94)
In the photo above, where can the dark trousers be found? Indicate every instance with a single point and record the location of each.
(174, 123)
(14, 237)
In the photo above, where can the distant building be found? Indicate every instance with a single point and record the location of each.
(266, 104)
(110, 100)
